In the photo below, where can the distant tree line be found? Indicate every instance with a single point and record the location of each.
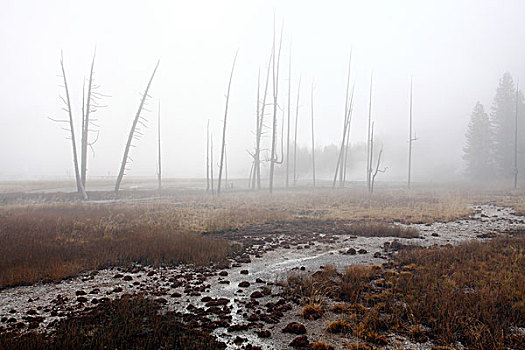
(495, 141)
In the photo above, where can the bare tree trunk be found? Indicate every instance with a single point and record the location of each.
(313, 144)
(252, 181)
(368, 146)
(288, 127)
(226, 168)
(211, 167)
(208, 156)
(224, 128)
(295, 136)
(260, 126)
(516, 139)
(85, 125)
(160, 158)
(339, 167)
(410, 139)
(275, 70)
(80, 187)
(132, 132)
(377, 171)
(371, 157)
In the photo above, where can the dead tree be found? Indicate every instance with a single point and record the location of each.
(516, 138)
(295, 136)
(211, 164)
(159, 154)
(410, 140)
(134, 133)
(275, 82)
(340, 162)
(368, 146)
(208, 156)
(288, 127)
(377, 170)
(259, 131)
(313, 143)
(68, 109)
(345, 160)
(91, 105)
(223, 147)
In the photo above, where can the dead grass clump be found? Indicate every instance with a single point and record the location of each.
(356, 282)
(319, 345)
(45, 243)
(339, 327)
(374, 229)
(312, 311)
(131, 322)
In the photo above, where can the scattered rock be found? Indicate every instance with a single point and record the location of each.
(264, 333)
(244, 272)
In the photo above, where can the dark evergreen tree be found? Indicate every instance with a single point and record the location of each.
(503, 115)
(478, 152)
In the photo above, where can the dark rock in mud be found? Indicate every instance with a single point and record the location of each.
(294, 328)
(264, 333)
(176, 295)
(244, 272)
(223, 273)
(377, 255)
(300, 342)
(244, 284)
(256, 295)
(238, 327)
(259, 280)
(224, 282)
(80, 292)
(362, 251)
(127, 278)
(118, 275)
(82, 299)
(351, 251)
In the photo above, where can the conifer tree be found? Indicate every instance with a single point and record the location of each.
(478, 151)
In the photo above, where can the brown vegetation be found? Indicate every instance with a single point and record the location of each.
(131, 322)
(472, 294)
(43, 243)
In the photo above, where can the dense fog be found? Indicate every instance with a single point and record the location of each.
(454, 52)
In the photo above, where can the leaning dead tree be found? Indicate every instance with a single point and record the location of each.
(339, 169)
(223, 147)
(295, 135)
(313, 144)
(134, 133)
(275, 82)
(211, 164)
(67, 101)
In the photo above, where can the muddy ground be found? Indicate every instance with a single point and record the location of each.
(242, 303)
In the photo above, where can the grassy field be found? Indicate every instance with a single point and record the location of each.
(47, 241)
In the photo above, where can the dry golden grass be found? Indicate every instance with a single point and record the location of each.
(52, 242)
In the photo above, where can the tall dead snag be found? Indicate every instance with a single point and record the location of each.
(313, 144)
(369, 140)
(345, 158)
(68, 109)
(295, 135)
(288, 127)
(211, 164)
(90, 107)
(159, 174)
(208, 156)
(223, 147)
(134, 132)
(275, 82)
(410, 139)
(516, 137)
(340, 160)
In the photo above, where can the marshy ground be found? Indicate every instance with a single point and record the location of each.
(324, 269)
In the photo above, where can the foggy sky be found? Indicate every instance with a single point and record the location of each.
(456, 51)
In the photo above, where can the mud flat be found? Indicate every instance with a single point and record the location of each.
(242, 302)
